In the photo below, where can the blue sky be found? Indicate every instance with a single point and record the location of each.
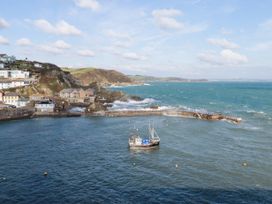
(186, 38)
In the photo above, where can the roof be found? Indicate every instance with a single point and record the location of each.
(67, 90)
(45, 102)
(11, 94)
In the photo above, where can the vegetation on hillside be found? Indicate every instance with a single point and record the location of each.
(101, 76)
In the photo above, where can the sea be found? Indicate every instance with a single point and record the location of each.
(87, 159)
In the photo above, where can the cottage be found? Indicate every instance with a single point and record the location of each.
(14, 99)
(6, 59)
(37, 65)
(11, 98)
(1, 96)
(78, 95)
(38, 97)
(45, 106)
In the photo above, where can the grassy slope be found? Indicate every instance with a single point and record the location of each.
(102, 76)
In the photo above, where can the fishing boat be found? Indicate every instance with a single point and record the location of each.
(136, 142)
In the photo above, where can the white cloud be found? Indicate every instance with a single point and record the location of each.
(122, 44)
(133, 56)
(61, 28)
(89, 4)
(223, 43)
(262, 46)
(3, 23)
(233, 57)
(60, 44)
(267, 24)
(3, 40)
(165, 18)
(50, 49)
(225, 31)
(23, 42)
(86, 53)
(118, 35)
(225, 57)
(166, 13)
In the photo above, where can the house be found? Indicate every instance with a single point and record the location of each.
(45, 106)
(11, 98)
(37, 65)
(14, 99)
(78, 95)
(14, 74)
(7, 59)
(22, 102)
(6, 83)
(38, 97)
(1, 96)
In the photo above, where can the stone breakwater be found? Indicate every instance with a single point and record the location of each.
(174, 113)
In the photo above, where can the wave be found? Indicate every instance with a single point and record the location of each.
(256, 112)
(200, 110)
(143, 108)
(129, 85)
(131, 104)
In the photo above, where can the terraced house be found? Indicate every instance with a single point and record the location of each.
(78, 95)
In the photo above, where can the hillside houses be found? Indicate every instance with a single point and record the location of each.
(78, 95)
(12, 98)
(14, 74)
(5, 59)
(45, 106)
(14, 78)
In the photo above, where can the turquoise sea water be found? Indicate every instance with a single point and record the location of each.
(88, 161)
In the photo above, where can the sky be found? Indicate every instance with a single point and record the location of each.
(226, 39)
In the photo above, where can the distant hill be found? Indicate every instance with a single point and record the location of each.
(141, 78)
(101, 76)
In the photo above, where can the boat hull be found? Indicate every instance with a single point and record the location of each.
(144, 146)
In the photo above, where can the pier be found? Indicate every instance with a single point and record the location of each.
(172, 112)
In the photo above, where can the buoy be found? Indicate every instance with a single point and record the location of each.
(4, 178)
(244, 164)
(45, 173)
(176, 165)
(134, 164)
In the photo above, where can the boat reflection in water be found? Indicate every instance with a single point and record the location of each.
(137, 143)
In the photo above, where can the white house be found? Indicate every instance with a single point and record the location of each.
(6, 84)
(45, 106)
(14, 74)
(5, 58)
(37, 65)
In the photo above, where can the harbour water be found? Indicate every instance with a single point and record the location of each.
(88, 160)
